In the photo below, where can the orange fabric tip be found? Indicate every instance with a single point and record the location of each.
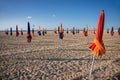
(97, 48)
(55, 32)
(60, 27)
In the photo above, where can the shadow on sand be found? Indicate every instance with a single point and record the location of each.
(61, 59)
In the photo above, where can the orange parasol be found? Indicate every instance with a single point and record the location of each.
(60, 27)
(98, 46)
(55, 31)
(61, 35)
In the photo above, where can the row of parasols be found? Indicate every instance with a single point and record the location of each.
(60, 29)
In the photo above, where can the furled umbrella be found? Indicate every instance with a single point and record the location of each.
(94, 31)
(97, 47)
(112, 31)
(39, 32)
(67, 31)
(73, 31)
(61, 35)
(21, 31)
(119, 31)
(55, 31)
(77, 30)
(43, 32)
(107, 31)
(6, 31)
(85, 31)
(33, 31)
(29, 37)
(17, 32)
(11, 31)
(58, 29)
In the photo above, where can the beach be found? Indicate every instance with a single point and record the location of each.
(49, 58)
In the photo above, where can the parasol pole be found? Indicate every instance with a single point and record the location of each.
(92, 65)
(60, 46)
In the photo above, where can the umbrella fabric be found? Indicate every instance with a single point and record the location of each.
(58, 29)
(85, 31)
(6, 31)
(73, 31)
(21, 31)
(107, 31)
(61, 28)
(55, 31)
(17, 33)
(67, 31)
(98, 46)
(43, 32)
(77, 31)
(39, 33)
(33, 31)
(119, 31)
(94, 31)
(29, 37)
(61, 35)
(112, 31)
(11, 31)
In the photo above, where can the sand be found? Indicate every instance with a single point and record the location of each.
(48, 58)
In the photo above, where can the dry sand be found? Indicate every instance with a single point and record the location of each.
(48, 58)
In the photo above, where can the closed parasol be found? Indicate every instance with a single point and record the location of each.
(29, 37)
(61, 35)
(98, 46)
(17, 33)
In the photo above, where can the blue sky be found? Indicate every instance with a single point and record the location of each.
(50, 13)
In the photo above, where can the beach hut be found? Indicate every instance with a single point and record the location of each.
(29, 37)
(97, 47)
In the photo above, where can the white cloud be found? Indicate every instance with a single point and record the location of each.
(28, 17)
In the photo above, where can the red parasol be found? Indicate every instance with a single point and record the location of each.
(98, 46)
